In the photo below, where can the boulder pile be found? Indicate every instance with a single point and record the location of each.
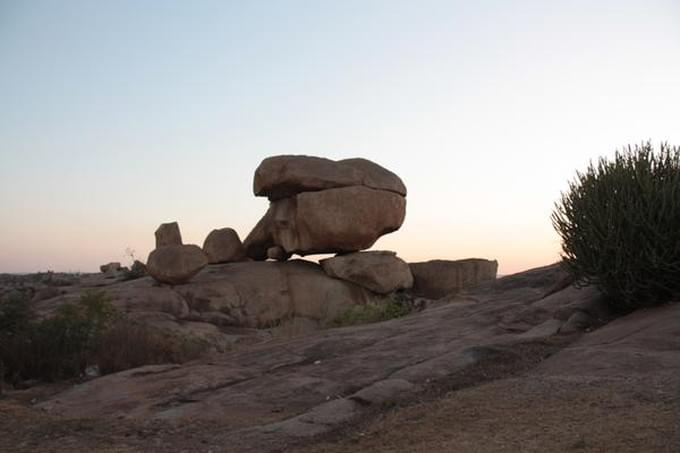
(323, 206)
(317, 206)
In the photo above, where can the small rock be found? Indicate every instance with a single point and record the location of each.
(110, 268)
(168, 234)
(577, 322)
(277, 253)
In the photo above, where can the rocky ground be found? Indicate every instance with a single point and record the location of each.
(525, 363)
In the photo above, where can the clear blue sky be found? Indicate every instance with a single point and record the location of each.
(117, 116)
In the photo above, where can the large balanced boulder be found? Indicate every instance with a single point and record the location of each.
(379, 271)
(337, 220)
(283, 176)
(176, 264)
(168, 234)
(223, 246)
(437, 278)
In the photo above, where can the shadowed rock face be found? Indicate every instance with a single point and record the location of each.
(438, 278)
(379, 271)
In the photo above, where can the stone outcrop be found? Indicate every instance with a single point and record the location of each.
(266, 294)
(378, 271)
(176, 264)
(437, 278)
(168, 234)
(223, 246)
(110, 268)
(283, 176)
(322, 206)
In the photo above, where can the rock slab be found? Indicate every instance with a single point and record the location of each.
(379, 271)
(437, 278)
(284, 176)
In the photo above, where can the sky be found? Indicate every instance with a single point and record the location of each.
(118, 116)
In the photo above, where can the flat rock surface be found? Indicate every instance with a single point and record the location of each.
(457, 376)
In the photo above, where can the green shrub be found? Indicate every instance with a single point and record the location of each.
(53, 348)
(89, 333)
(620, 226)
(394, 307)
(130, 344)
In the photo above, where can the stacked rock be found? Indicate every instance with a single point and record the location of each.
(173, 262)
(318, 205)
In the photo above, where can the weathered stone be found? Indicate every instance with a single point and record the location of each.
(277, 253)
(379, 271)
(176, 264)
(375, 176)
(223, 246)
(262, 294)
(577, 322)
(438, 278)
(329, 221)
(168, 234)
(283, 176)
(110, 268)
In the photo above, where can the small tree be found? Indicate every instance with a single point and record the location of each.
(620, 226)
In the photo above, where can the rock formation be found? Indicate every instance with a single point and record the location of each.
(176, 264)
(110, 268)
(223, 246)
(378, 271)
(437, 278)
(322, 206)
(168, 234)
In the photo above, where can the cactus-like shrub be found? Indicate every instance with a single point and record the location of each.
(620, 226)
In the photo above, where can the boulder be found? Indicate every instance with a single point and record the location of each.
(283, 176)
(264, 294)
(110, 268)
(168, 234)
(277, 253)
(375, 176)
(378, 271)
(176, 264)
(223, 246)
(338, 220)
(438, 278)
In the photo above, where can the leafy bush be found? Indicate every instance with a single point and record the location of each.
(620, 226)
(394, 307)
(89, 333)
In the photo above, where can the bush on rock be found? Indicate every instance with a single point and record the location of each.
(620, 226)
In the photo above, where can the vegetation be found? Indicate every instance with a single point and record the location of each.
(620, 226)
(395, 307)
(89, 334)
